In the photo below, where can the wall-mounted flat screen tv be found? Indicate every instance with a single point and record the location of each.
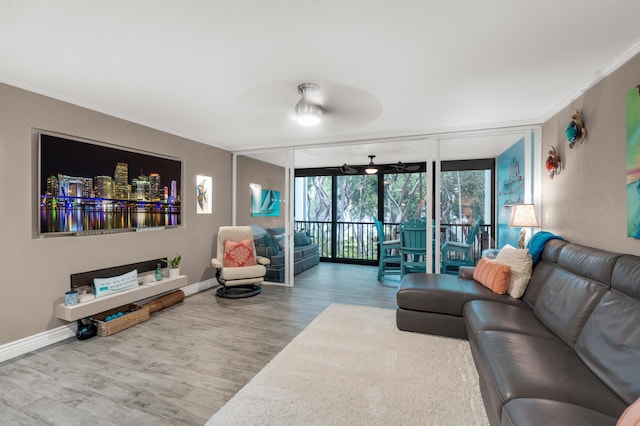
(93, 188)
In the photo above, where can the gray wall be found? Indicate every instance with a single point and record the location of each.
(36, 270)
(586, 203)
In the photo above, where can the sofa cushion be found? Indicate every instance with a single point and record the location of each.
(516, 365)
(233, 273)
(442, 293)
(535, 412)
(482, 315)
(625, 277)
(238, 254)
(521, 263)
(431, 323)
(539, 278)
(275, 231)
(492, 275)
(301, 239)
(309, 251)
(588, 262)
(565, 303)
(610, 341)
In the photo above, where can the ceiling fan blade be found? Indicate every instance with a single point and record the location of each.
(350, 170)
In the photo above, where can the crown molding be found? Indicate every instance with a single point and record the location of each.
(597, 77)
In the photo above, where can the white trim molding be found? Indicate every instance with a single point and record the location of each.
(37, 341)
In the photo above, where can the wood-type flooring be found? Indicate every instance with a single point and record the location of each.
(184, 363)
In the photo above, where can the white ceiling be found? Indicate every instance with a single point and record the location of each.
(225, 73)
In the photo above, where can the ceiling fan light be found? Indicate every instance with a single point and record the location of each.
(308, 118)
(371, 168)
(307, 113)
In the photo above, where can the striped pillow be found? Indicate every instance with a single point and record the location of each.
(492, 275)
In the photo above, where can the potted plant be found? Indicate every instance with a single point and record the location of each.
(174, 266)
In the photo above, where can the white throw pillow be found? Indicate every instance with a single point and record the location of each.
(521, 265)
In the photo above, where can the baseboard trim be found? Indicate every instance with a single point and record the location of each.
(38, 341)
(198, 287)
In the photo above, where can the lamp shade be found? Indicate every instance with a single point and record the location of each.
(524, 215)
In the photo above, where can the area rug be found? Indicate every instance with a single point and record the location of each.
(352, 366)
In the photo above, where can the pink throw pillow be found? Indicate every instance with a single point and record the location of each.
(240, 253)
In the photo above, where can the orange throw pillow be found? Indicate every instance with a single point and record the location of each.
(631, 416)
(240, 253)
(492, 275)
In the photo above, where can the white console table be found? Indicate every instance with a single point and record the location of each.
(104, 303)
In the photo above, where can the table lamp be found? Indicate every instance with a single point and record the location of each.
(523, 216)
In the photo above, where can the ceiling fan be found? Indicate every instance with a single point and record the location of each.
(372, 168)
(346, 169)
(401, 167)
(336, 106)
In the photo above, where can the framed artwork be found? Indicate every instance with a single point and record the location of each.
(633, 162)
(510, 186)
(264, 202)
(203, 194)
(89, 187)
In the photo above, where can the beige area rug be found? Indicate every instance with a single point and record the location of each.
(352, 366)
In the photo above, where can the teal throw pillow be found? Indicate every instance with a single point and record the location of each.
(301, 239)
(270, 242)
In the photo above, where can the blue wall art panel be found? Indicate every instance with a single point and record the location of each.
(268, 203)
(510, 191)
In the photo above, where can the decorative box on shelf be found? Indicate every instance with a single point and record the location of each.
(131, 315)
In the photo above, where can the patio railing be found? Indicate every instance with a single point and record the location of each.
(358, 241)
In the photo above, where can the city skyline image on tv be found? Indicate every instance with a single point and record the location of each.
(86, 186)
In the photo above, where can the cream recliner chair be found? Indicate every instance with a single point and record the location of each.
(238, 280)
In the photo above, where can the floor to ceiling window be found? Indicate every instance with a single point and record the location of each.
(467, 194)
(337, 206)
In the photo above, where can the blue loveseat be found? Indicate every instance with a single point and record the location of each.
(270, 242)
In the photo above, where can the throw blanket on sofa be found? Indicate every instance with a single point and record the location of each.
(537, 242)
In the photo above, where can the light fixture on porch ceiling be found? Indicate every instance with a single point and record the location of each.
(371, 168)
(308, 109)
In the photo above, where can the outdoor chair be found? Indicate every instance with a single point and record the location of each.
(389, 263)
(456, 254)
(413, 250)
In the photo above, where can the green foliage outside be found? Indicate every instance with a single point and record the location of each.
(462, 200)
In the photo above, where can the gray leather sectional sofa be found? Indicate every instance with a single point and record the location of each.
(567, 353)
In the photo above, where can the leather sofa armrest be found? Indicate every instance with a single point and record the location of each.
(263, 260)
(466, 272)
(216, 263)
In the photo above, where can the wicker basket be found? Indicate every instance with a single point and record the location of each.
(134, 314)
